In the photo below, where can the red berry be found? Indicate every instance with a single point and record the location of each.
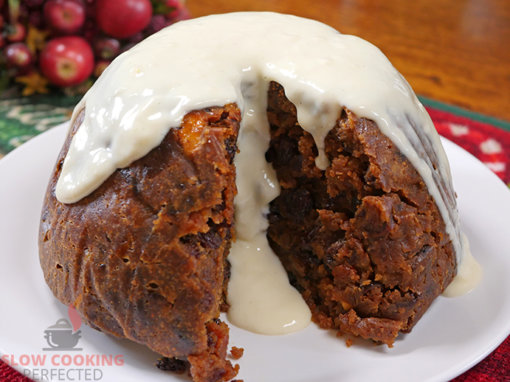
(100, 67)
(67, 60)
(128, 46)
(16, 32)
(90, 29)
(107, 48)
(65, 16)
(90, 9)
(176, 5)
(18, 55)
(179, 12)
(136, 38)
(33, 3)
(123, 18)
(157, 23)
(35, 19)
(1, 22)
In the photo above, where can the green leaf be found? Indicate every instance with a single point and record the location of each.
(160, 8)
(13, 10)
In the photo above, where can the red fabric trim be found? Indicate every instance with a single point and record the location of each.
(474, 136)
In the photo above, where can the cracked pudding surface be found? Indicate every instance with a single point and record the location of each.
(363, 241)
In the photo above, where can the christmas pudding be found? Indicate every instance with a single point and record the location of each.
(255, 163)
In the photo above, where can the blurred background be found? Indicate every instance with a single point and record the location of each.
(65, 45)
(456, 51)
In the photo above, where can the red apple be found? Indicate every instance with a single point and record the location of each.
(67, 61)
(16, 32)
(65, 16)
(18, 55)
(123, 18)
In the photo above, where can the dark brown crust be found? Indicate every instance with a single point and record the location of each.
(363, 241)
(144, 255)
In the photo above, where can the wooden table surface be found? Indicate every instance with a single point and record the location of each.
(455, 51)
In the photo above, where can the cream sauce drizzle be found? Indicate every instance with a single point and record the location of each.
(469, 274)
(260, 296)
(220, 59)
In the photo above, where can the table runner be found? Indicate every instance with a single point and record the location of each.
(486, 138)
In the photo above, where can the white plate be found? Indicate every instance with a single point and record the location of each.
(454, 334)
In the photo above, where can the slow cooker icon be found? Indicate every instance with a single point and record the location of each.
(61, 337)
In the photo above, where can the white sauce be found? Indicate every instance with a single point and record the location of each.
(259, 293)
(469, 274)
(260, 296)
(220, 59)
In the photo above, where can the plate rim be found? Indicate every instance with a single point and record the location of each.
(445, 374)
